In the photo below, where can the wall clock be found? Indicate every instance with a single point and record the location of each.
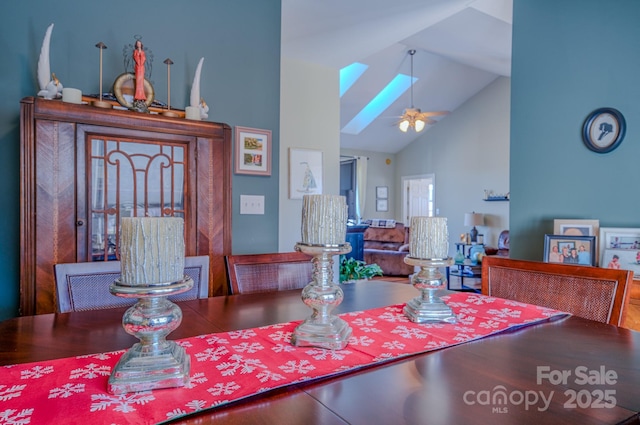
(603, 130)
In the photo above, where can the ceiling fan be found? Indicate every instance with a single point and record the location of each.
(413, 117)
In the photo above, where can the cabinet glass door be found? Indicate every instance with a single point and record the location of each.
(132, 178)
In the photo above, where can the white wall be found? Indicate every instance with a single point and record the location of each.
(468, 151)
(309, 119)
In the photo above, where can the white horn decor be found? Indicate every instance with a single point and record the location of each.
(50, 86)
(196, 102)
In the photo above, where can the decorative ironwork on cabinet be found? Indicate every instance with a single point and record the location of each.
(83, 168)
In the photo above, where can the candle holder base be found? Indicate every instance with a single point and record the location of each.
(154, 362)
(101, 104)
(322, 329)
(428, 307)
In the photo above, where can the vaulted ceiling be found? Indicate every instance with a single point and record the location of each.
(461, 47)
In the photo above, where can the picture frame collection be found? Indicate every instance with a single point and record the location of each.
(606, 247)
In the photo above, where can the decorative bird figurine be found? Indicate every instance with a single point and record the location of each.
(196, 100)
(50, 86)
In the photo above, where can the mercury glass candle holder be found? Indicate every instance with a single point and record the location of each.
(429, 307)
(153, 362)
(322, 295)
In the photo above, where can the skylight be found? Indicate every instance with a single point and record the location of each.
(378, 104)
(350, 74)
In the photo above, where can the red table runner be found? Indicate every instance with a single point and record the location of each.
(233, 365)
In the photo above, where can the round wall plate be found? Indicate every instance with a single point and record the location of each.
(603, 130)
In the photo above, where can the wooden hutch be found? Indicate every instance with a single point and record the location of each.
(82, 168)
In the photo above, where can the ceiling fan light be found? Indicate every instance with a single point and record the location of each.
(419, 125)
(404, 125)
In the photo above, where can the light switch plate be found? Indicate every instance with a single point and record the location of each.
(251, 204)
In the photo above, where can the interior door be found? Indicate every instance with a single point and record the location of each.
(419, 196)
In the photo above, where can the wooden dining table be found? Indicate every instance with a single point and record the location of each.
(565, 371)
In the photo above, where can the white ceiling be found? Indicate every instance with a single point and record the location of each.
(461, 46)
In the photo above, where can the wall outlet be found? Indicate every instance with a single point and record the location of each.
(251, 204)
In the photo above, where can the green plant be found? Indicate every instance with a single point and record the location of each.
(352, 269)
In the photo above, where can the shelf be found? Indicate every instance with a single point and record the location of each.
(496, 199)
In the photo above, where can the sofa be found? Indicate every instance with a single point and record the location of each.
(387, 247)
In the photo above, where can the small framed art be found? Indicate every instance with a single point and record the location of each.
(382, 205)
(382, 192)
(620, 249)
(305, 172)
(253, 151)
(580, 250)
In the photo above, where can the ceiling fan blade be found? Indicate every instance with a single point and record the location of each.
(434, 113)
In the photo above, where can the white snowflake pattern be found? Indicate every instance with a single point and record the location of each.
(364, 340)
(224, 388)
(175, 413)
(303, 367)
(283, 348)
(214, 339)
(15, 417)
(237, 362)
(7, 393)
(267, 375)
(515, 303)
(365, 321)
(328, 354)
(193, 405)
(281, 336)
(276, 326)
(99, 356)
(184, 343)
(466, 320)
(90, 371)
(436, 344)
(370, 330)
(121, 403)
(196, 404)
(458, 304)
(463, 329)
(67, 390)
(383, 357)
(505, 312)
(242, 334)
(211, 354)
(461, 337)
(393, 317)
(479, 299)
(36, 372)
(469, 310)
(248, 347)
(432, 325)
(394, 345)
(409, 333)
(197, 378)
(490, 324)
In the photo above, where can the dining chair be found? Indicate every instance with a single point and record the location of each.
(249, 273)
(85, 286)
(590, 292)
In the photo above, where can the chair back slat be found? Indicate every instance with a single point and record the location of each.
(590, 292)
(251, 273)
(85, 286)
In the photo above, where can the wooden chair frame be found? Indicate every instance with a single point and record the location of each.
(85, 286)
(590, 292)
(250, 273)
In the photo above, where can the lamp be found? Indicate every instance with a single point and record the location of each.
(413, 117)
(473, 219)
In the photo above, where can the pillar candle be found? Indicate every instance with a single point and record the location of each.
(192, 113)
(151, 250)
(324, 219)
(71, 95)
(429, 237)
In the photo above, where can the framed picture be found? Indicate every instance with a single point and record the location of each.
(305, 172)
(570, 249)
(576, 227)
(253, 151)
(382, 192)
(620, 248)
(382, 205)
(603, 130)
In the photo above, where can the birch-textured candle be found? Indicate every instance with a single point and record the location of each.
(151, 250)
(429, 237)
(324, 219)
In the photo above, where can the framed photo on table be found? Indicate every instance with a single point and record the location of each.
(253, 151)
(620, 249)
(576, 227)
(579, 250)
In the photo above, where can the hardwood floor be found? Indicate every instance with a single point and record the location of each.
(633, 309)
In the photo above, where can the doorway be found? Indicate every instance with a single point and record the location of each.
(418, 196)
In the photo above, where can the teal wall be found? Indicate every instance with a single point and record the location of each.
(239, 39)
(571, 57)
